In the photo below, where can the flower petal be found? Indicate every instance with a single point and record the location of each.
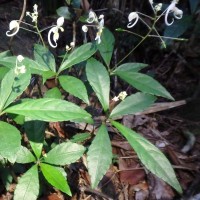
(52, 30)
(131, 17)
(169, 9)
(13, 25)
(60, 21)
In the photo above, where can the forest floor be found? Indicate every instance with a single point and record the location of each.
(174, 129)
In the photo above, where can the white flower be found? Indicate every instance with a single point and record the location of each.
(19, 69)
(84, 28)
(99, 24)
(20, 58)
(33, 15)
(92, 17)
(122, 95)
(14, 25)
(176, 12)
(132, 16)
(100, 28)
(151, 1)
(72, 44)
(22, 69)
(115, 99)
(54, 30)
(158, 7)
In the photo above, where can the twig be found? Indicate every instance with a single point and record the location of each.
(20, 19)
(89, 190)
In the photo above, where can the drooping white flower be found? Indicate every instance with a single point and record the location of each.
(132, 16)
(98, 23)
(55, 31)
(176, 12)
(100, 28)
(13, 26)
(92, 17)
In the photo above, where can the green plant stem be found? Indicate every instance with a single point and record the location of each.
(152, 28)
(39, 33)
(171, 38)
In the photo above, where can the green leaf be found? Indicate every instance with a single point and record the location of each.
(64, 154)
(99, 156)
(44, 57)
(5, 54)
(6, 176)
(55, 178)
(194, 5)
(53, 93)
(9, 62)
(50, 110)
(24, 156)
(3, 72)
(99, 79)
(106, 46)
(144, 83)
(133, 104)
(35, 131)
(78, 55)
(10, 141)
(28, 186)
(12, 86)
(74, 86)
(153, 159)
(64, 12)
(130, 67)
(178, 27)
(80, 137)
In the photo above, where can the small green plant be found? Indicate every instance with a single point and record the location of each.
(17, 72)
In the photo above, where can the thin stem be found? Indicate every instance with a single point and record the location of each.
(145, 15)
(171, 38)
(133, 33)
(145, 23)
(136, 45)
(39, 33)
(29, 30)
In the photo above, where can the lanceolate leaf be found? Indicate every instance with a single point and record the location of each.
(74, 86)
(10, 141)
(28, 186)
(133, 104)
(35, 131)
(44, 57)
(153, 159)
(65, 153)
(12, 86)
(144, 83)
(99, 156)
(99, 79)
(130, 67)
(106, 46)
(78, 55)
(50, 110)
(55, 178)
(24, 156)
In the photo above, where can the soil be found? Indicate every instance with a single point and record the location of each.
(175, 131)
